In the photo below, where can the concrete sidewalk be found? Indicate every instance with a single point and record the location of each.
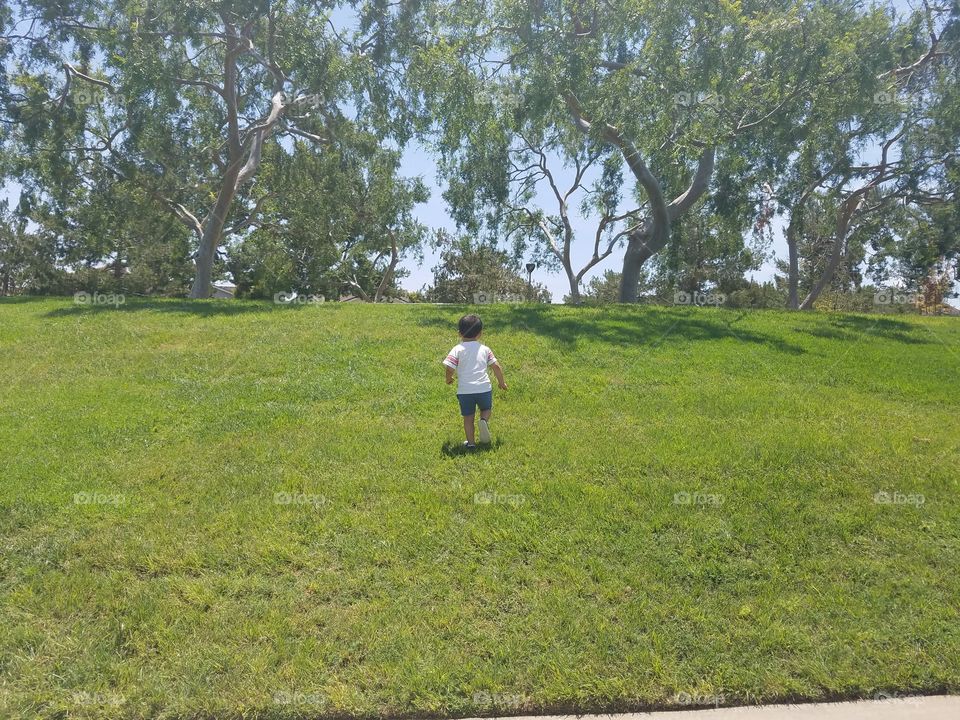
(931, 707)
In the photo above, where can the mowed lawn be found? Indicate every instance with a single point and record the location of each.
(232, 509)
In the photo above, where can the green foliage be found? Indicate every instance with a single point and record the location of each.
(328, 220)
(601, 290)
(121, 135)
(757, 81)
(705, 251)
(27, 264)
(120, 101)
(467, 269)
(757, 295)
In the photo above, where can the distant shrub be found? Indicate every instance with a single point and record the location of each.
(757, 295)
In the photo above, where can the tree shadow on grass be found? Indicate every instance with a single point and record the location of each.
(457, 449)
(22, 299)
(200, 308)
(853, 327)
(625, 325)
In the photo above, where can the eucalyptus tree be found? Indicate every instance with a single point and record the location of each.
(661, 87)
(593, 182)
(334, 221)
(181, 99)
(27, 257)
(858, 147)
(109, 235)
(927, 247)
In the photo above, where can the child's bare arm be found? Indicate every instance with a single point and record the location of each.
(498, 371)
(450, 372)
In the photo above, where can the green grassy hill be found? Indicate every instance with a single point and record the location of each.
(231, 509)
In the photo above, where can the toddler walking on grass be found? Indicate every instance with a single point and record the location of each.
(470, 360)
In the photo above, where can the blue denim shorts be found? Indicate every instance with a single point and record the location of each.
(470, 401)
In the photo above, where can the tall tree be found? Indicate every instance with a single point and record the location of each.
(533, 164)
(850, 160)
(334, 221)
(662, 86)
(182, 98)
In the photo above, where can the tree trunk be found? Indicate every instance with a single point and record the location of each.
(793, 272)
(652, 238)
(212, 232)
(574, 283)
(388, 273)
(793, 227)
(642, 244)
(825, 277)
(633, 260)
(847, 210)
(201, 283)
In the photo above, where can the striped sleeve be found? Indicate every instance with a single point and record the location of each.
(491, 360)
(451, 361)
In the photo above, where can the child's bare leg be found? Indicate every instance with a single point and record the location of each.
(468, 428)
(485, 414)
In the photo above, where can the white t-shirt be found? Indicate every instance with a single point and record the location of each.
(471, 359)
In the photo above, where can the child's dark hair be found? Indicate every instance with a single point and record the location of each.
(470, 326)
